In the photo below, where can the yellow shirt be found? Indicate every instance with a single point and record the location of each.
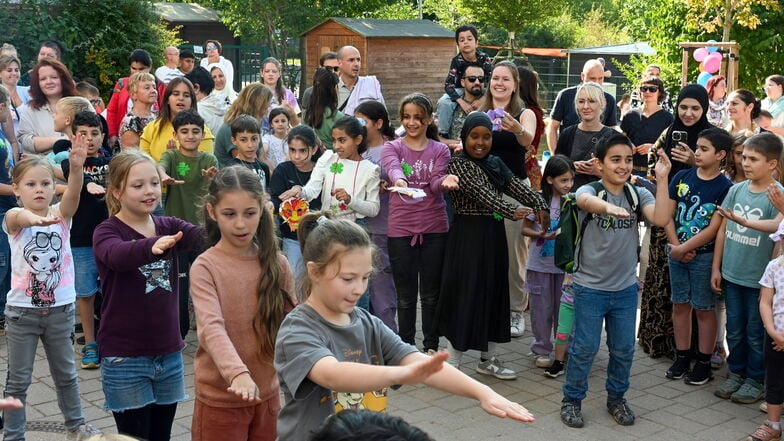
(153, 142)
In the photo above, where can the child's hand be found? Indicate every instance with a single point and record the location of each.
(496, 405)
(401, 183)
(450, 182)
(420, 371)
(776, 197)
(616, 211)
(467, 108)
(40, 221)
(95, 189)
(210, 172)
(730, 215)
(382, 187)
(168, 180)
(456, 147)
(521, 213)
(716, 281)
(165, 242)
(243, 386)
(677, 252)
(293, 192)
(663, 165)
(10, 403)
(341, 195)
(78, 152)
(543, 219)
(172, 144)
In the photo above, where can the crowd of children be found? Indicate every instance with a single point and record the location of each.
(305, 262)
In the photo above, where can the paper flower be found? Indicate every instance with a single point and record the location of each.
(407, 169)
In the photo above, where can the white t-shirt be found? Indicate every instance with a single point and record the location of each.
(166, 74)
(277, 148)
(42, 272)
(774, 278)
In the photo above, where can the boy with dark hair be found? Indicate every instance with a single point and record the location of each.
(186, 172)
(245, 135)
(695, 194)
(90, 212)
(187, 61)
(467, 39)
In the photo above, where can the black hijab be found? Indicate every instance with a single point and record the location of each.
(699, 93)
(495, 169)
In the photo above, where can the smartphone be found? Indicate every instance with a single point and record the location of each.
(679, 136)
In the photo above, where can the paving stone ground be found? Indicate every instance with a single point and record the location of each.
(666, 410)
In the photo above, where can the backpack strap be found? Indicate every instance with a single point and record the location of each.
(633, 198)
(600, 192)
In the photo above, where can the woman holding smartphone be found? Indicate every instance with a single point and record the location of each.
(679, 141)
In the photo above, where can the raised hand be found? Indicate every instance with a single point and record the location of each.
(164, 243)
(78, 153)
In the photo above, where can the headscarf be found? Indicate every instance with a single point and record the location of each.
(697, 92)
(495, 169)
(227, 94)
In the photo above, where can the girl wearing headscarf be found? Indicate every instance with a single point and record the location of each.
(473, 310)
(679, 141)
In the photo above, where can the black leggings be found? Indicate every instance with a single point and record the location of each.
(152, 422)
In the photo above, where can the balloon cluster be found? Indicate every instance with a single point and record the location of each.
(710, 62)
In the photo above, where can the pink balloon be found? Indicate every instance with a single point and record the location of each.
(701, 53)
(712, 62)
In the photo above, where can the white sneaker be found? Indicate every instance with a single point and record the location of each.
(517, 324)
(83, 432)
(543, 361)
(496, 368)
(763, 407)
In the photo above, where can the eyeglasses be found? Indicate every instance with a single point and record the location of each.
(651, 89)
(211, 47)
(475, 79)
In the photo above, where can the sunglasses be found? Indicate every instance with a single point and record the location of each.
(475, 79)
(211, 47)
(651, 89)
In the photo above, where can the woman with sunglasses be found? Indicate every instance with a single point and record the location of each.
(213, 49)
(644, 124)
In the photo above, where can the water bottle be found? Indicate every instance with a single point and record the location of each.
(545, 158)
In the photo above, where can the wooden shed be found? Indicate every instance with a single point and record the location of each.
(406, 55)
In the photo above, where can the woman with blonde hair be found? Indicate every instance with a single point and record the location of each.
(253, 100)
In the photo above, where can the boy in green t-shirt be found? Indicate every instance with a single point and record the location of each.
(186, 172)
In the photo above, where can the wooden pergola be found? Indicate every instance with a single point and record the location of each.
(729, 64)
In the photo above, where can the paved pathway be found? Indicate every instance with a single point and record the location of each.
(666, 410)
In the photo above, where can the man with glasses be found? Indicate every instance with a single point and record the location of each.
(472, 81)
(169, 71)
(354, 89)
(327, 60)
(467, 39)
(564, 114)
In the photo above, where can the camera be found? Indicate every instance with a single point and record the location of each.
(679, 136)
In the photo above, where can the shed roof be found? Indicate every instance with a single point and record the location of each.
(616, 49)
(378, 28)
(186, 13)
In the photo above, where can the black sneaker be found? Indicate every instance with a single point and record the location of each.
(78, 328)
(678, 369)
(555, 370)
(572, 414)
(700, 375)
(621, 413)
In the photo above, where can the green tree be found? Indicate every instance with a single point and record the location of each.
(508, 15)
(98, 35)
(711, 15)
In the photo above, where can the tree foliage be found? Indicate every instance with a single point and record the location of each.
(714, 15)
(98, 35)
(509, 15)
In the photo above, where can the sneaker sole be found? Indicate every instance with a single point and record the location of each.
(673, 376)
(499, 376)
(517, 334)
(555, 375)
(90, 365)
(745, 400)
(543, 364)
(698, 383)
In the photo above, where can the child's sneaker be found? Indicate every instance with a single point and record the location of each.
(90, 358)
(517, 324)
(701, 374)
(764, 433)
(543, 361)
(749, 392)
(718, 357)
(495, 368)
(621, 413)
(729, 387)
(83, 432)
(572, 414)
(555, 370)
(679, 368)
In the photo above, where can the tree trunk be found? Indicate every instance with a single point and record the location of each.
(725, 36)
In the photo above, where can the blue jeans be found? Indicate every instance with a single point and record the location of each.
(54, 327)
(690, 282)
(618, 310)
(445, 108)
(745, 333)
(5, 267)
(293, 253)
(135, 382)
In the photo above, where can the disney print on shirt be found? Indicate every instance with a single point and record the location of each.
(44, 255)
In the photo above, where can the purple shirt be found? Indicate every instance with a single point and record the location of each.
(378, 223)
(140, 312)
(424, 169)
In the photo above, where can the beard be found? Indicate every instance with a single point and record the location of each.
(475, 92)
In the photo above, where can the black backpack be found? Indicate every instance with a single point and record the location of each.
(570, 230)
